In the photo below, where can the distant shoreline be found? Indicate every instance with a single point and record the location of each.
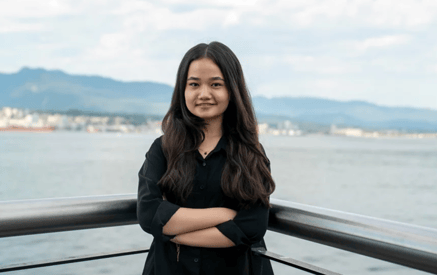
(13, 128)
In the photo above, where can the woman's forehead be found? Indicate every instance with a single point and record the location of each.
(204, 68)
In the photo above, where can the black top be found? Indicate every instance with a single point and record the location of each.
(246, 230)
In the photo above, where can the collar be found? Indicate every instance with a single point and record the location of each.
(221, 145)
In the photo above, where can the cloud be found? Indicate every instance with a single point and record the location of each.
(141, 16)
(13, 13)
(310, 64)
(334, 13)
(7, 26)
(233, 18)
(112, 45)
(409, 13)
(319, 64)
(432, 68)
(200, 15)
(382, 42)
(34, 9)
(214, 3)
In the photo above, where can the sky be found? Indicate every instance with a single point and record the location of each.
(379, 51)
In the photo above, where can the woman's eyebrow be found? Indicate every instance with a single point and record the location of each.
(193, 78)
(217, 78)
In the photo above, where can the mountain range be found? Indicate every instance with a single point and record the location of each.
(40, 89)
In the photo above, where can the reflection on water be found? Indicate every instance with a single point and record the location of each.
(388, 178)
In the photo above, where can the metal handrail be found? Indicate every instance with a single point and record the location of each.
(26, 217)
(400, 243)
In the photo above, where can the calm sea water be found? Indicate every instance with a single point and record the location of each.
(393, 179)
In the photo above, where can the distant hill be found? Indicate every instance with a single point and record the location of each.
(40, 89)
(350, 113)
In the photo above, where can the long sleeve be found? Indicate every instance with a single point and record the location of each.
(152, 211)
(249, 226)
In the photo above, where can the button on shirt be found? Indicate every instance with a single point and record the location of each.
(246, 230)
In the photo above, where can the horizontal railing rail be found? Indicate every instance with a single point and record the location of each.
(404, 244)
(28, 217)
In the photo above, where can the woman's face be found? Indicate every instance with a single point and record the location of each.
(206, 95)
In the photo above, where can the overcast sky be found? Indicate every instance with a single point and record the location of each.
(380, 51)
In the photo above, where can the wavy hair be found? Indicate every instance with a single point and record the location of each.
(245, 176)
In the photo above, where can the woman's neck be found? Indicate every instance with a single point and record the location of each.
(213, 127)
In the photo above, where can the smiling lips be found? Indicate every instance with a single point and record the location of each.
(205, 104)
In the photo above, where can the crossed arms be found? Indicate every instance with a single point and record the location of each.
(197, 227)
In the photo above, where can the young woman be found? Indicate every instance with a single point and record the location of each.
(205, 184)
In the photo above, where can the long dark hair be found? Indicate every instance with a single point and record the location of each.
(246, 176)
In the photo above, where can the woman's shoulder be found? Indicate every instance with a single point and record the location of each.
(264, 152)
(156, 146)
(158, 141)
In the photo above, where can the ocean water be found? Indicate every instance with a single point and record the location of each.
(393, 179)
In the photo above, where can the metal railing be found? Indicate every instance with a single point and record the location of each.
(404, 244)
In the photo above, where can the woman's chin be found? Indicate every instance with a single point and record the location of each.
(208, 117)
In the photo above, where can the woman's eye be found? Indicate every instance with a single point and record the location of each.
(217, 84)
(193, 84)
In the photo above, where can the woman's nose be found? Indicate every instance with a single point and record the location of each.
(204, 93)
